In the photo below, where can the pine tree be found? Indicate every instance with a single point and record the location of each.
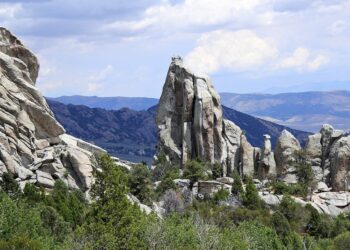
(112, 222)
(237, 188)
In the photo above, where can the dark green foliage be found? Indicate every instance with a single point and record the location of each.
(293, 241)
(296, 215)
(221, 195)
(217, 170)
(69, 204)
(53, 222)
(20, 242)
(112, 222)
(281, 224)
(9, 185)
(21, 226)
(31, 194)
(304, 171)
(162, 167)
(324, 226)
(237, 188)
(194, 171)
(342, 241)
(281, 188)
(251, 199)
(140, 183)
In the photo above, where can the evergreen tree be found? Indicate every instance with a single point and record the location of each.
(10, 186)
(140, 183)
(252, 199)
(112, 222)
(194, 171)
(237, 188)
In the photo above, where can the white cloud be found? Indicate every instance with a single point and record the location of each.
(102, 74)
(302, 60)
(233, 50)
(338, 27)
(9, 11)
(95, 81)
(93, 87)
(191, 13)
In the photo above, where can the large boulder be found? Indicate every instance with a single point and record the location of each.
(340, 164)
(33, 145)
(190, 123)
(286, 147)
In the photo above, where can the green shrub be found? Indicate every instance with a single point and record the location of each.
(342, 241)
(70, 205)
(296, 215)
(281, 225)
(293, 241)
(304, 172)
(251, 199)
(140, 183)
(194, 171)
(31, 194)
(112, 221)
(10, 186)
(237, 188)
(21, 225)
(217, 170)
(221, 195)
(174, 232)
(259, 236)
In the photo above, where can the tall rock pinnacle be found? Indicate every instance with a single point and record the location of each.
(190, 122)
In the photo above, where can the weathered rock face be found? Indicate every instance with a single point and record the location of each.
(340, 164)
(267, 164)
(328, 136)
(286, 147)
(328, 154)
(313, 151)
(190, 123)
(33, 146)
(248, 153)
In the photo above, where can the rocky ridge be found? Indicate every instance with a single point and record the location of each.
(33, 145)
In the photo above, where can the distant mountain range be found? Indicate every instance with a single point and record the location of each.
(109, 103)
(305, 111)
(132, 135)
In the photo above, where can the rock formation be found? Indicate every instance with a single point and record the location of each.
(328, 153)
(267, 164)
(286, 148)
(33, 146)
(340, 164)
(190, 123)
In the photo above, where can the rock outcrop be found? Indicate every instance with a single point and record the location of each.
(286, 149)
(340, 164)
(328, 152)
(33, 145)
(267, 163)
(190, 123)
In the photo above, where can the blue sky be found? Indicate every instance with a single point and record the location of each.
(123, 47)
